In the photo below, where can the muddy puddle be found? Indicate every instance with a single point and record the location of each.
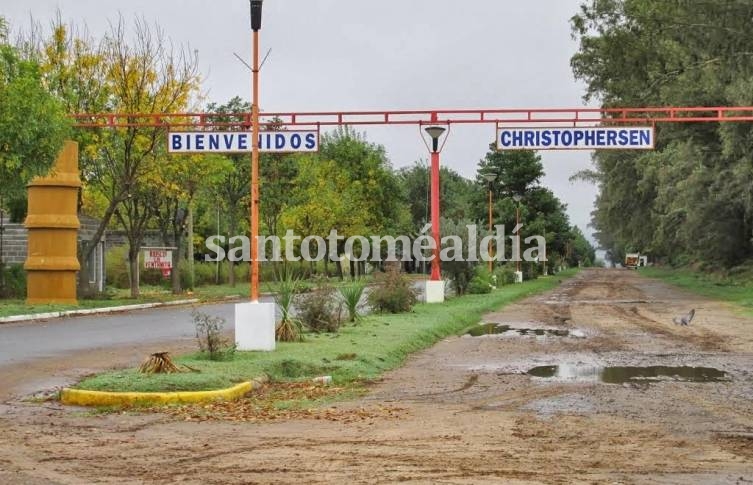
(495, 329)
(623, 374)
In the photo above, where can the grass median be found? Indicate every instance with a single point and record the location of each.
(736, 290)
(356, 353)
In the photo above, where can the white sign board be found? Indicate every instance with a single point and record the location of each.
(576, 138)
(158, 259)
(240, 141)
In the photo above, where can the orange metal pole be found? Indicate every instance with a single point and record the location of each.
(254, 270)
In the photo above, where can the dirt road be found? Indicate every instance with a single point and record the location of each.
(464, 411)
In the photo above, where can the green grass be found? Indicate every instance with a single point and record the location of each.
(379, 342)
(10, 308)
(736, 290)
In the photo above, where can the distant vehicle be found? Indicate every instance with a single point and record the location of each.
(632, 260)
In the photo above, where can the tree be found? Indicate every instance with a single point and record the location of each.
(173, 185)
(321, 201)
(116, 74)
(73, 69)
(541, 212)
(359, 178)
(232, 188)
(373, 183)
(455, 193)
(145, 77)
(33, 125)
(690, 199)
(516, 170)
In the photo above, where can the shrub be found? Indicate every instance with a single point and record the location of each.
(116, 267)
(205, 273)
(460, 274)
(393, 293)
(209, 335)
(320, 311)
(505, 275)
(13, 281)
(288, 328)
(351, 294)
(241, 269)
(481, 282)
(151, 277)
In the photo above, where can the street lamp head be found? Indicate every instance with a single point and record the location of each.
(435, 132)
(490, 176)
(256, 15)
(517, 197)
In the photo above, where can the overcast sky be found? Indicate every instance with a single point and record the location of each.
(385, 54)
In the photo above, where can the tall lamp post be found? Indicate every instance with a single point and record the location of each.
(518, 274)
(490, 177)
(255, 321)
(435, 285)
(254, 270)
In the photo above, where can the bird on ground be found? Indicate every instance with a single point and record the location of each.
(684, 319)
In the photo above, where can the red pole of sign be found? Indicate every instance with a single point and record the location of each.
(435, 269)
(517, 225)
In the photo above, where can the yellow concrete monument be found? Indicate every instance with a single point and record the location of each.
(52, 221)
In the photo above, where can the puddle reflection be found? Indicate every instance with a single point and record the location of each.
(622, 374)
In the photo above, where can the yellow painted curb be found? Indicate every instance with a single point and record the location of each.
(80, 397)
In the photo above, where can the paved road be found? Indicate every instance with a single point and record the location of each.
(39, 356)
(28, 341)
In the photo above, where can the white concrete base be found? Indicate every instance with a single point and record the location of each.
(255, 326)
(434, 292)
(518, 276)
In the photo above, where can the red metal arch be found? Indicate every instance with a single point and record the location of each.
(420, 117)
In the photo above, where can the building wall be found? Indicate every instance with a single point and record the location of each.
(15, 238)
(14, 243)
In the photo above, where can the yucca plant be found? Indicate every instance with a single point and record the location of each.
(352, 293)
(288, 328)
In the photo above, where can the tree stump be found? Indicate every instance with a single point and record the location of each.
(159, 363)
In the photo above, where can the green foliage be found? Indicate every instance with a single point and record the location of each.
(33, 124)
(539, 211)
(392, 293)
(205, 273)
(209, 334)
(517, 171)
(460, 269)
(17, 208)
(12, 281)
(455, 193)
(349, 186)
(482, 281)
(289, 327)
(351, 294)
(504, 275)
(116, 267)
(689, 200)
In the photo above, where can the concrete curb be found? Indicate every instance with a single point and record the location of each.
(80, 397)
(95, 311)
